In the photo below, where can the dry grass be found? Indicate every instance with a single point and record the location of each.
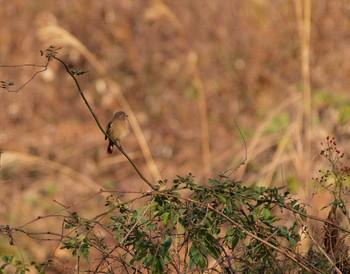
(183, 71)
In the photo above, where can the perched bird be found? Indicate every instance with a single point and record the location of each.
(117, 128)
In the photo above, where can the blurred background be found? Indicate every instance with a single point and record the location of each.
(191, 74)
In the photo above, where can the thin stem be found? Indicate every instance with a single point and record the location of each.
(44, 68)
(101, 127)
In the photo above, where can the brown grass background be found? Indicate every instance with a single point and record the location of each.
(184, 71)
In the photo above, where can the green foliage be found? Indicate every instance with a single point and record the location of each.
(18, 266)
(174, 231)
(187, 226)
(80, 242)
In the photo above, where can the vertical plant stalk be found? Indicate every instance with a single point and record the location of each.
(202, 105)
(303, 14)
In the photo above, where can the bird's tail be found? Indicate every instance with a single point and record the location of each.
(110, 148)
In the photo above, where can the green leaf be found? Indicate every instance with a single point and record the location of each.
(214, 251)
(85, 250)
(167, 243)
(166, 216)
(198, 256)
(212, 245)
(148, 260)
(234, 242)
(292, 241)
(158, 266)
(194, 256)
(7, 259)
(266, 213)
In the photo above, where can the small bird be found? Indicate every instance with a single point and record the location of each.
(117, 128)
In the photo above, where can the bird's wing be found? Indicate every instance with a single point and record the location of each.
(108, 129)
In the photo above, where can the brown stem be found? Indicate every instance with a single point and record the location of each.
(101, 128)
